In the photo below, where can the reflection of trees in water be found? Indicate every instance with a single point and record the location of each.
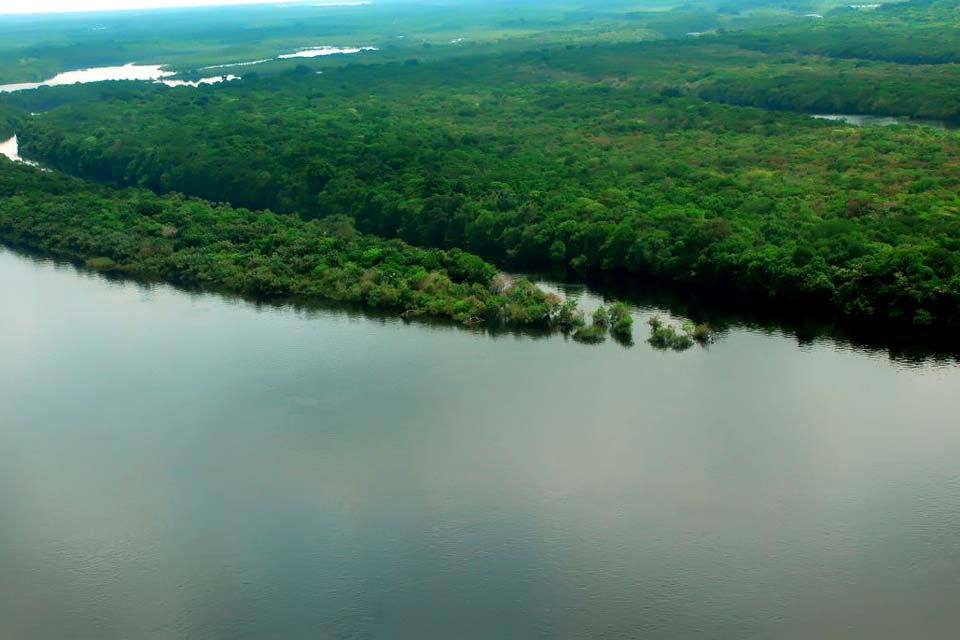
(723, 313)
(728, 312)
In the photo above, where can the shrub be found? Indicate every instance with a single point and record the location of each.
(665, 336)
(702, 333)
(102, 264)
(569, 316)
(591, 334)
(601, 317)
(621, 322)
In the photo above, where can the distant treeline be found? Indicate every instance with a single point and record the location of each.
(916, 32)
(922, 91)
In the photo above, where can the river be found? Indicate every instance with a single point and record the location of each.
(99, 74)
(10, 148)
(183, 465)
(860, 120)
(156, 73)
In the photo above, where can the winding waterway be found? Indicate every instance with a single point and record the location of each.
(99, 74)
(10, 149)
(156, 72)
(861, 120)
(181, 465)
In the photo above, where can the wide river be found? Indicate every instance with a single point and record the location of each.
(177, 465)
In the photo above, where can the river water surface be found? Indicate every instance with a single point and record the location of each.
(10, 148)
(177, 465)
(99, 74)
(860, 120)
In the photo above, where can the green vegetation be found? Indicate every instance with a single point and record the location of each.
(621, 322)
(666, 336)
(590, 334)
(33, 48)
(915, 32)
(570, 317)
(9, 119)
(616, 320)
(601, 317)
(702, 333)
(839, 86)
(592, 175)
(558, 140)
(194, 243)
(597, 330)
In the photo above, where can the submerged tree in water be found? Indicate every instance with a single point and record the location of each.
(621, 322)
(601, 317)
(667, 336)
(597, 331)
(702, 333)
(570, 317)
(592, 334)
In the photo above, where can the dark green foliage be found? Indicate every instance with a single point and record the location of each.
(9, 121)
(913, 32)
(590, 334)
(621, 322)
(570, 317)
(597, 330)
(600, 176)
(590, 157)
(839, 86)
(194, 243)
(601, 317)
(666, 336)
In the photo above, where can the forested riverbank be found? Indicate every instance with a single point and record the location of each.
(496, 319)
(589, 176)
(636, 160)
(143, 422)
(190, 242)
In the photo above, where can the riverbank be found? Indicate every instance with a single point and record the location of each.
(196, 243)
(781, 207)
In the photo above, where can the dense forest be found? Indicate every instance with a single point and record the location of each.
(33, 48)
(194, 243)
(644, 160)
(838, 86)
(914, 32)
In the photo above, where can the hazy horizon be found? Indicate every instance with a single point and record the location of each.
(74, 6)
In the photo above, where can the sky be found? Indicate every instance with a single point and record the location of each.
(50, 6)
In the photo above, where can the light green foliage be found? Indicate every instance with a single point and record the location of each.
(597, 330)
(570, 317)
(666, 336)
(621, 322)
